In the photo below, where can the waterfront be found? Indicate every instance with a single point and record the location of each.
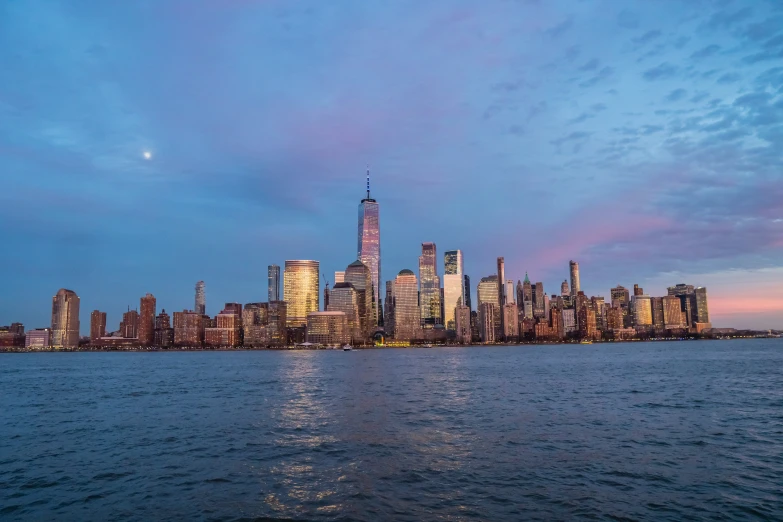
(638, 430)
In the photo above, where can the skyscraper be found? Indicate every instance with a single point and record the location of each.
(622, 298)
(510, 292)
(429, 285)
(487, 290)
(164, 333)
(673, 316)
(539, 297)
(130, 324)
(273, 283)
(65, 319)
(638, 290)
(339, 276)
(501, 295)
(564, 288)
(147, 320)
(656, 304)
(388, 309)
(642, 310)
(369, 245)
(97, 325)
(344, 298)
(201, 299)
(360, 276)
(300, 290)
(575, 285)
(453, 287)
(700, 311)
(468, 302)
(406, 308)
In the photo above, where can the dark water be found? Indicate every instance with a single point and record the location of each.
(639, 431)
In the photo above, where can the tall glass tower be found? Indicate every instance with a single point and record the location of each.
(300, 290)
(453, 287)
(201, 299)
(369, 245)
(273, 283)
(429, 286)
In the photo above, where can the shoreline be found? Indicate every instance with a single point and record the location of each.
(358, 348)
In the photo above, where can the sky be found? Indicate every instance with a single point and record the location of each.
(642, 139)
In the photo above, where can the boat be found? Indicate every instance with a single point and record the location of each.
(347, 348)
(586, 342)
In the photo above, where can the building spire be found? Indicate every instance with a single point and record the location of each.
(368, 182)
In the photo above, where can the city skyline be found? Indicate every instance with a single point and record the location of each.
(653, 154)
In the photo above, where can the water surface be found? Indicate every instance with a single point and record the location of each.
(634, 430)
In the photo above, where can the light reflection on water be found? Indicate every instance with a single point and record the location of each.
(628, 430)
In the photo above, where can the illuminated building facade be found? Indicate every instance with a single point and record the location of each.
(164, 333)
(300, 290)
(65, 319)
(642, 310)
(429, 292)
(344, 298)
(673, 317)
(369, 246)
(130, 324)
(273, 283)
(360, 276)
(406, 307)
(327, 328)
(487, 321)
(453, 287)
(462, 322)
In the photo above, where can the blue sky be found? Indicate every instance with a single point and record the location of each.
(643, 139)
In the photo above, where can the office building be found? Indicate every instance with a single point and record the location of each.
(339, 276)
(388, 310)
(97, 325)
(501, 265)
(569, 320)
(146, 328)
(699, 308)
(564, 289)
(614, 318)
(429, 286)
(463, 327)
(344, 298)
(255, 317)
(487, 322)
(638, 290)
(586, 321)
(369, 247)
(65, 320)
(575, 284)
(273, 283)
(642, 310)
(38, 339)
(510, 322)
(673, 316)
(300, 290)
(327, 328)
(468, 302)
(406, 308)
(622, 298)
(453, 287)
(599, 305)
(360, 276)
(539, 308)
(201, 299)
(276, 327)
(656, 306)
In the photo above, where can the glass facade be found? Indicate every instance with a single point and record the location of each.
(201, 299)
(65, 319)
(406, 306)
(369, 246)
(359, 275)
(327, 328)
(273, 283)
(453, 290)
(429, 285)
(344, 298)
(300, 290)
(642, 310)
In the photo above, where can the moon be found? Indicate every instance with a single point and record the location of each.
(147, 155)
